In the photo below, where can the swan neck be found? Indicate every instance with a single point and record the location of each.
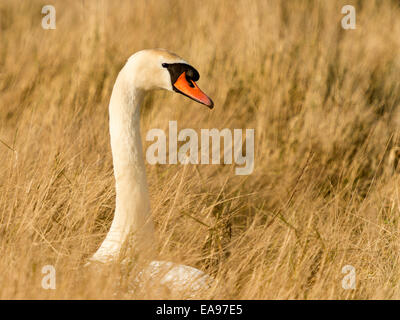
(132, 209)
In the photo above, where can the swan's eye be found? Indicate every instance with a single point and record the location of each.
(165, 65)
(192, 74)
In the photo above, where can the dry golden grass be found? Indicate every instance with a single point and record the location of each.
(325, 105)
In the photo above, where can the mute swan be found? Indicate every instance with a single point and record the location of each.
(144, 71)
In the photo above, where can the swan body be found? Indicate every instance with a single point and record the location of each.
(179, 279)
(144, 71)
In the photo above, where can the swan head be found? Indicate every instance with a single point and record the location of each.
(160, 69)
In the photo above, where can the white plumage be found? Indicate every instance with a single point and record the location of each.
(144, 71)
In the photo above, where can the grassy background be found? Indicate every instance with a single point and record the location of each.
(324, 103)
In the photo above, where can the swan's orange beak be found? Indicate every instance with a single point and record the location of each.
(189, 88)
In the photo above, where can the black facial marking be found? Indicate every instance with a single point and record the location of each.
(176, 69)
(189, 82)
